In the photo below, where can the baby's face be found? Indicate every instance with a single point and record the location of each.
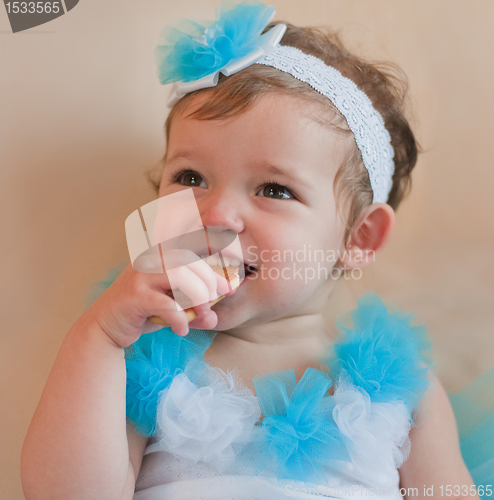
(268, 174)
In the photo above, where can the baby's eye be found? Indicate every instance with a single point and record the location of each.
(273, 190)
(191, 178)
(187, 177)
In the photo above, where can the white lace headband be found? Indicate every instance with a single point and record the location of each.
(364, 121)
(196, 55)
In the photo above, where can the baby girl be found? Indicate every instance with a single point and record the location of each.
(292, 142)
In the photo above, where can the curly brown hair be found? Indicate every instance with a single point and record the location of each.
(384, 83)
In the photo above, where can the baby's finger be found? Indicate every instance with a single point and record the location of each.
(204, 322)
(223, 285)
(217, 284)
(191, 285)
(165, 307)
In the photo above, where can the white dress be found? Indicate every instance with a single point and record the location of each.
(208, 440)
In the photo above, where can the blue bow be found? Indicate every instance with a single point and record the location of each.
(298, 425)
(194, 50)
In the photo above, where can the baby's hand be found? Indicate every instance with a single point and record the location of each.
(122, 311)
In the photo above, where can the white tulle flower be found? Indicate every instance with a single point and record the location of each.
(209, 420)
(378, 431)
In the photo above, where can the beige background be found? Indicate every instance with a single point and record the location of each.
(82, 117)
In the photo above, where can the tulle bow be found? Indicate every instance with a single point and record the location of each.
(206, 414)
(195, 49)
(378, 431)
(298, 426)
(382, 354)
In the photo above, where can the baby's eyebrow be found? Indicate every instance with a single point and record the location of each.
(266, 166)
(180, 154)
(289, 174)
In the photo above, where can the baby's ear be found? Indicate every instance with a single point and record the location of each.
(369, 235)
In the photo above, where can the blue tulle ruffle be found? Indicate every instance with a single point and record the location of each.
(382, 353)
(298, 425)
(152, 363)
(196, 49)
(305, 431)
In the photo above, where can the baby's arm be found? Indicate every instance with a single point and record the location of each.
(137, 445)
(78, 446)
(435, 459)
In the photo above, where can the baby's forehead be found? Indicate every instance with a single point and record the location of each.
(318, 108)
(274, 114)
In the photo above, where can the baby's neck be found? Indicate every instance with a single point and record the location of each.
(285, 332)
(285, 344)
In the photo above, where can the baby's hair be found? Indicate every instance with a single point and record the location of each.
(384, 83)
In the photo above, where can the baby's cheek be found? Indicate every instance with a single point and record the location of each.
(282, 284)
(296, 274)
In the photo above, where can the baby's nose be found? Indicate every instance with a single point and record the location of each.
(222, 210)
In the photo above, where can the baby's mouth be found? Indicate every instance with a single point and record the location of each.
(249, 269)
(228, 262)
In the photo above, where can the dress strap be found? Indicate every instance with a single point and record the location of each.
(152, 363)
(382, 353)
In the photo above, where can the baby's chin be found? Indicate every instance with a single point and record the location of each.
(237, 310)
(230, 313)
(258, 300)
(247, 310)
